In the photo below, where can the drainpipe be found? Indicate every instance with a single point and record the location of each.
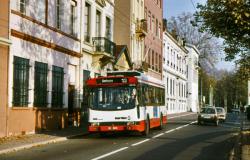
(8, 59)
(79, 73)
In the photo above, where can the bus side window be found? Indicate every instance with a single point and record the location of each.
(139, 95)
(145, 94)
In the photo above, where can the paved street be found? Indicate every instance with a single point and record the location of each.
(181, 139)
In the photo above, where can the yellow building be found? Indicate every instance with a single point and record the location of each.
(130, 28)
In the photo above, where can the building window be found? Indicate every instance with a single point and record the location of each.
(171, 87)
(87, 23)
(160, 63)
(58, 14)
(108, 28)
(159, 31)
(149, 58)
(157, 28)
(167, 87)
(98, 24)
(149, 20)
(22, 5)
(72, 17)
(153, 60)
(174, 87)
(153, 23)
(156, 61)
(57, 87)
(40, 91)
(21, 82)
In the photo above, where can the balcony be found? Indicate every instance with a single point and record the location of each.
(141, 29)
(104, 50)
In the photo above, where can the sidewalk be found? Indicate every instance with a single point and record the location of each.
(242, 145)
(16, 143)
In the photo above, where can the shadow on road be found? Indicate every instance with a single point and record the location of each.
(215, 150)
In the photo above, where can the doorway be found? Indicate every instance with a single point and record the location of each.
(71, 96)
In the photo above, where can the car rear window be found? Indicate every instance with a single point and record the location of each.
(208, 110)
(219, 110)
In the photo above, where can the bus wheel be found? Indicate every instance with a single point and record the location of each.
(103, 134)
(161, 123)
(147, 127)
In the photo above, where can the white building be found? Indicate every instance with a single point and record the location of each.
(175, 73)
(43, 63)
(193, 77)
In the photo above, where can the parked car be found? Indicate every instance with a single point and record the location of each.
(236, 110)
(208, 115)
(221, 113)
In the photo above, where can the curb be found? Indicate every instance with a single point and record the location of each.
(27, 146)
(235, 153)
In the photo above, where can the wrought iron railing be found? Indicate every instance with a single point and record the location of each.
(142, 26)
(102, 44)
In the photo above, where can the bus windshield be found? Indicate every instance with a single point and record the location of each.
(112, 98)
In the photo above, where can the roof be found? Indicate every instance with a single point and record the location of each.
(120, 49)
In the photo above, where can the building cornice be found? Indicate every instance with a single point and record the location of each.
(5, 41)
(194, 47)
(44, 43)
(175, 41)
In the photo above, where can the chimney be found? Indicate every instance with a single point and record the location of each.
(165, 25)
(174, 34)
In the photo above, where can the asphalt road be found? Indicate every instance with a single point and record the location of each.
(181, 139)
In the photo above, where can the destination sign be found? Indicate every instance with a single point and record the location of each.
(111, 80)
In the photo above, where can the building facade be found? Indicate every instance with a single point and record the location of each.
(43, 64)
(97, 46)
(130, 28)
(175, 73)
(4, 54)
(97, 36)
(193, 78)
(153, 40)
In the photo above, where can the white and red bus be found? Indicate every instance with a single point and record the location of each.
(126, 101)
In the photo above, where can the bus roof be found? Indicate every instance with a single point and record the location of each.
(124, 73)
(141, 77)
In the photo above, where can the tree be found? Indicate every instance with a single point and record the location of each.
(209, 46)
(228, 19)
(205, 82)
(243, 71)
(231, 87)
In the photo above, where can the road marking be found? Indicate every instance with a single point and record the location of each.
(171, 130)
(135, 144)
(181, 116)
(158, 135)
(179, 128)
(110, 153)
(143, 141)
(193, 122)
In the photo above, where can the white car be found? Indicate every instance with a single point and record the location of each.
(208, 115)
(221, 113)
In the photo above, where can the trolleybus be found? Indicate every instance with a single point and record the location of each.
(126, 101)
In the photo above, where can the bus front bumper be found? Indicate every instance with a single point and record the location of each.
(139, 126)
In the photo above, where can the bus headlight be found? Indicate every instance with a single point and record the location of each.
(130, 123)
(95, 124)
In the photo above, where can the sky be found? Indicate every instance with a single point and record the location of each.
(176, 7)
